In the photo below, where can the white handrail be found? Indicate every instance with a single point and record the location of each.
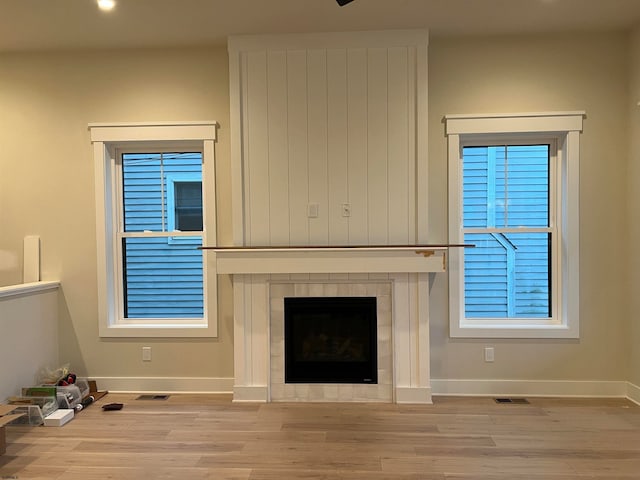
(27, 288)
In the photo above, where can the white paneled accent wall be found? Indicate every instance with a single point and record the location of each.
(327, 120)
(329, 147)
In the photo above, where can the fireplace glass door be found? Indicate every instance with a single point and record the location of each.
(330, 340)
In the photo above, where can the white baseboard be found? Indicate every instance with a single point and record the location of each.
(165, 384)
(495, 388)
(530, 388)
(251, 394)
(633, 393)
(413, 395)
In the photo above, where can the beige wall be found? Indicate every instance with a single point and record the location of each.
(46, 187)
(634, 202)
(533, 74)
(47, 183)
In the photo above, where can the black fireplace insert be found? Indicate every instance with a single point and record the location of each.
(330, 340)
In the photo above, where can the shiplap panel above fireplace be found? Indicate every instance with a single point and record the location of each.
(329, 119)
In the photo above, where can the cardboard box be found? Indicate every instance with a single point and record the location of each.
(59, 417)
(93, 390)
(5, 418)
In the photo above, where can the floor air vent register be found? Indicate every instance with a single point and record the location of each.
(153, 397)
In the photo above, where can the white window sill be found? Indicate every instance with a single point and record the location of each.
(514, 331)
(159, 331)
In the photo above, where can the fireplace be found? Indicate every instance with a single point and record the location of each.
(374, 293)
(398, 278)
(330, 340)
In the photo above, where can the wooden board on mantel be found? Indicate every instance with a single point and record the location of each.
(329, 259)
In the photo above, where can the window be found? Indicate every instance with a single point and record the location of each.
(513, 183)
(162, 275)
(152, 213)
(506, 210)
(187, 206)
(184, 202)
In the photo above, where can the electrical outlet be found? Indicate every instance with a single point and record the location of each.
(312, 210)
(346, 209)
(489, 354)
(146, 354)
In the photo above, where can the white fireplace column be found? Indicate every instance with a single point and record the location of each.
(251, 338)
(411, 338)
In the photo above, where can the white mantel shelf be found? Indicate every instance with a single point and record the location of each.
(347, 259)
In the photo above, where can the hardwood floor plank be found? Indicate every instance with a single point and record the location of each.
(410, 438)
(128, 446)
(577, 440)
(40, 446)
(530, 476)
(134, 473)
(478, 466)
(274, 474)
(317, 460)
(495, 452)
(331, 449)
(362, 427)
(257, 435)
(120, 459)
(622, 467)
(30, 472)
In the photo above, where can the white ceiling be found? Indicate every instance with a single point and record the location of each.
(78, 24)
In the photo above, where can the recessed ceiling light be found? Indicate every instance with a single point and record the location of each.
(106, 4)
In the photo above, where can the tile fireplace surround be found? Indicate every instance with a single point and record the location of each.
(281, 391)
(397, 276)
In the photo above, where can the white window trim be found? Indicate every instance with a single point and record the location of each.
(107, 139)
(564, 128)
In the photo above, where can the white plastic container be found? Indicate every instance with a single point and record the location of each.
(32, 415)
(47, 404)
(69, 396)
(83, 385)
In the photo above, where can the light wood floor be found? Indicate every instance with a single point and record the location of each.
(207, 436)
